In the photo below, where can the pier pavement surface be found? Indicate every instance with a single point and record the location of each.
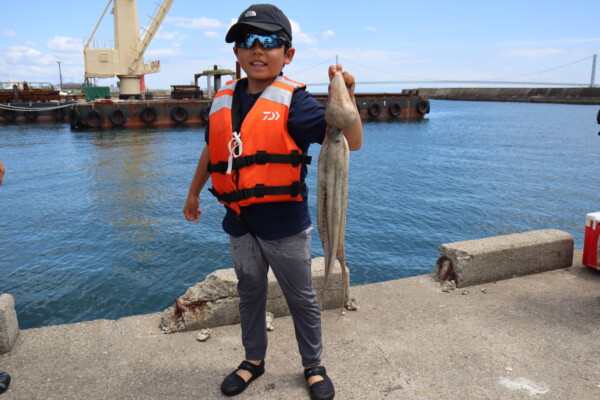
(536, 336)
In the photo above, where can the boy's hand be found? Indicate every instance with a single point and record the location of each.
(190, 209)
(348, 78)
(354, 135)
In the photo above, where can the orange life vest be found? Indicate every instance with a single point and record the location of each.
(262, 163)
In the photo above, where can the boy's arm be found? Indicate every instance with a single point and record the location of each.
(354, 135)
(192, 204)
(2, 170)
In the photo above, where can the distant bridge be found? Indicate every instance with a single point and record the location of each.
(497, 82)
(513, 83)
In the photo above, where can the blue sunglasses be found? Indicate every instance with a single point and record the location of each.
(267, 42)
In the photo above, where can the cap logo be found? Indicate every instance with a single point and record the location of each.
(250, 14)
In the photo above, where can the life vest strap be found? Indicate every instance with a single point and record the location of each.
(259, 191)
(261, 158)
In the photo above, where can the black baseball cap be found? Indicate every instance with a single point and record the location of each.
(263, 16)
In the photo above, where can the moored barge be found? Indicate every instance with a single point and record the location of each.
(181, 109)
(407, 106)
(136, 113)
(51, 111)
(165, 112)
(31, 102)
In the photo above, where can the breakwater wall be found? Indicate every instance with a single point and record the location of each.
(567, 95)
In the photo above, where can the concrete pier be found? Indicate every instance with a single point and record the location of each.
(215, 301)
(473, 262)
(9, 325)
(530, 337)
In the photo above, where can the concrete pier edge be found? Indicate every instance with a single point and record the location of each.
(215, 301)
(9, 325)
(466, 263)
(528, 337)
(474, 262)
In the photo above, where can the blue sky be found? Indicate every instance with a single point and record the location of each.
(375, 40)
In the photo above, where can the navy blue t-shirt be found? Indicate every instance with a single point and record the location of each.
(271, 221)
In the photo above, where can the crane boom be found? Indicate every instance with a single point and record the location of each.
(125, 59)
(150, 31)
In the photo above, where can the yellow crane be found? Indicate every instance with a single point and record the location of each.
(126, 59)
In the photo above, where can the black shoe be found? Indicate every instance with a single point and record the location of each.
(234, 384)
(321, 390)
(4, 381)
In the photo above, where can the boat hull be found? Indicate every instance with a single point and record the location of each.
(110, 113)
(47, 111)
(388, 106)
(134, 113)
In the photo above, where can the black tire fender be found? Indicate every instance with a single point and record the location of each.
(59, 114)
(94, 119)
(117, 117)
(179, 114)
(74, 118)
(423, 106)
(31, 115)
(374, 110)
(395, 109)
(148, 115)
(9, 115)
(204, 113)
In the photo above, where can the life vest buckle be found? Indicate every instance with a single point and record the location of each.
(217, 195)
(242, 194)
(295, 189)
(259, 190)
(260, 157)
(295, 158)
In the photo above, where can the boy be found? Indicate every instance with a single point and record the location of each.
(2, 171)
(258, 133)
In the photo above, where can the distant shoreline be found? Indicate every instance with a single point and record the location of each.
(568, 95)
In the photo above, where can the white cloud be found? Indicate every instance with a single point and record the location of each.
(328, 33)
(370, 28)
(232, 22)
(27, 63)
(163, 53)
(65, 44)
(8, 32)
(211, 34)
(194, 23)
(165, 35)
(533, 53)
(300, 37)
(17, 54)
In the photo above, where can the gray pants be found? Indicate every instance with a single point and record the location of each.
(290, 259)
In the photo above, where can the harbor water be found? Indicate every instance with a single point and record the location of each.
(91, 222)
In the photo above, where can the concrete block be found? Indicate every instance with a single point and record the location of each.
(492, 259)
(9, 326)
(215, 302)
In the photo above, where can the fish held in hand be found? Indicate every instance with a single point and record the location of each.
(332, 186)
